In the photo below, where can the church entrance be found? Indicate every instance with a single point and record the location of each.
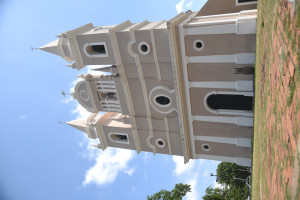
(230, 102)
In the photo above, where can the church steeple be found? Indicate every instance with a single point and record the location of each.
(79, 124)
(52, 47)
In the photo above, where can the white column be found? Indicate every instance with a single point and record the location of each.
(238, 85)
(238, 160)
(242, 26)
(240, 58)
(240, 120)
(242, 142)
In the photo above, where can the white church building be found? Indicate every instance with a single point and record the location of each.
(178, 87)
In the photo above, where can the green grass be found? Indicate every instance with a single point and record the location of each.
(292, 91)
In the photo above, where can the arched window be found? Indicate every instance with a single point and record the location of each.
(229, 102)
(118, 137)
(97, 49)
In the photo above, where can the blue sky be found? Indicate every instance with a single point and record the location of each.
(42, 159)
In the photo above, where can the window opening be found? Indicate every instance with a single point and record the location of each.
(119, 138)
(160, 143)
(99, 49)
(230, 102)
(198, 45)
(162, 100)
(205, 147)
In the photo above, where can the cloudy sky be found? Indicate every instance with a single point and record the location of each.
(41, 159)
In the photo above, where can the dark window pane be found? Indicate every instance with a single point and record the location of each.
(230, 102)
(163, 100)
(99, 48)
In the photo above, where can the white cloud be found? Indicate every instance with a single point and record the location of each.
(194, 195)
(189, 4)
(205, 173)
(179, 6)
(108, 164)
(182, 6)
(23, 117)
(146, 157)
(218, 185)
(182, 168)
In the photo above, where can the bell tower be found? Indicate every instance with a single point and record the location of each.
(86, 45)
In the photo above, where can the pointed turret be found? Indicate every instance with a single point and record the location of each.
(79, 124)
(111, 69)
(52, 47)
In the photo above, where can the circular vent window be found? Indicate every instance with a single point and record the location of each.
(205, 147)
(84, 95)
(144, 48)
(162, 100)
(198, 45)
(160, 143)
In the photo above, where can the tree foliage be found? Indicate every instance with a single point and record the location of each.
(177, 193)
(215, 194)
(229, 175)
(226, 173)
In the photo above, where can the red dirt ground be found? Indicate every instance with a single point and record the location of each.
(283, 117)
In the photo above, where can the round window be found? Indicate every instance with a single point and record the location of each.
(144, 48)
(84, 95)
(162, 100)
(198, 45)
(160, 143)
(205, 147)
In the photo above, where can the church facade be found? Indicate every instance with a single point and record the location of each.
(179, 87)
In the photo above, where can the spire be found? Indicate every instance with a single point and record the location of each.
(103, 69)
(52, 47)
(80, 124)
(112, 69)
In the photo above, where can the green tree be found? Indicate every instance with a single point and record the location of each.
(229, 175)
(226, 173)
(215, 194)
(177, 193)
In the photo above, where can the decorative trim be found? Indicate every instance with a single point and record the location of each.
(154, 48)
(118, 141)
(195, 45)
(153, 102)
(240, 121)
(238, 160)
(240, 58)
(237, 85)
(160, 145)
(241, 142)
(95, 54)
(115, 47)
(168, 135)
(81, 95)
(227, 112)
(141, 77)
(140, 48)
(149, 142)
(177, 80)
(185, 79)
(247, 27)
